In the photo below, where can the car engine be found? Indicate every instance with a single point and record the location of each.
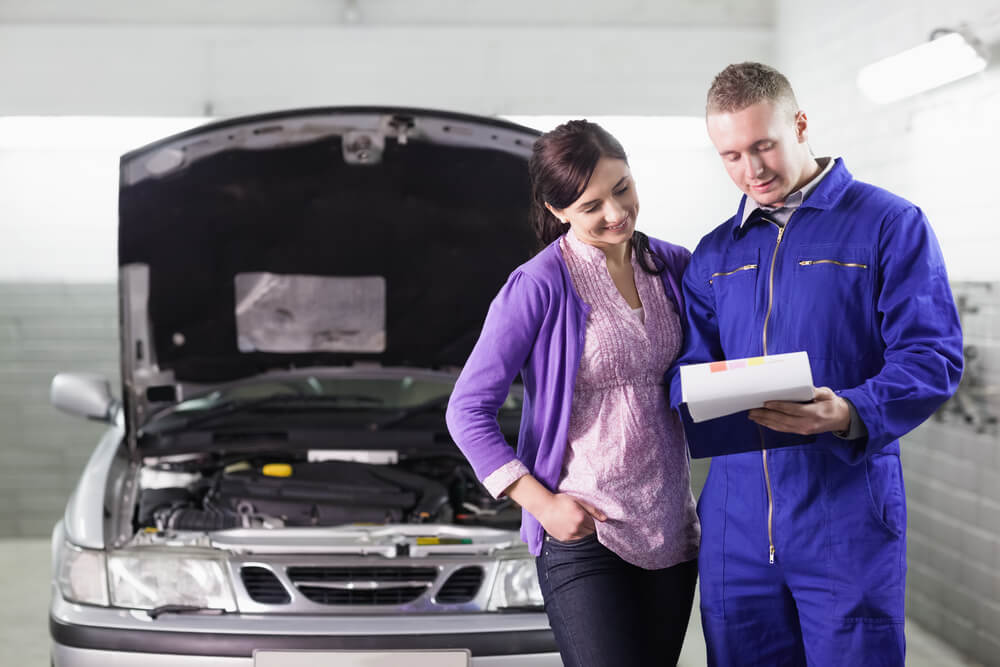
(206, 493)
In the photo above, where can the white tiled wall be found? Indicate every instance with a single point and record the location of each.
(45, 329)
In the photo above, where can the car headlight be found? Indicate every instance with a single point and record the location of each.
(152, 580)
(82, 577)
(516, 586)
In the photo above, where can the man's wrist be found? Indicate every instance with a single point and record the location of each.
(855, 428)
(844, 411)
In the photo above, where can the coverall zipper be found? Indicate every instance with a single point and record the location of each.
(767, 474)
(729, 273)
(810, 262)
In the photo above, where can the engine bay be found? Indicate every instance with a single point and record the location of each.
(218, 491)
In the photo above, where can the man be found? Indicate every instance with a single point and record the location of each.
(803, 545)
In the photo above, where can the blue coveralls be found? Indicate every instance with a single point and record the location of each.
(803, 553)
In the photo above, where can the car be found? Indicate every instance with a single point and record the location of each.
(276, 486)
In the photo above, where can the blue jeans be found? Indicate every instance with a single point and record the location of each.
(605, 611)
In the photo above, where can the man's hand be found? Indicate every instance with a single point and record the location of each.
(827, 412)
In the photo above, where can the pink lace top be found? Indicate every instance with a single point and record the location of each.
(626, 453)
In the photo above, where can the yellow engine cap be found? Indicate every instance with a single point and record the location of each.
(277, 470)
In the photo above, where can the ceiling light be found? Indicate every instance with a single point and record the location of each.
(950, 55)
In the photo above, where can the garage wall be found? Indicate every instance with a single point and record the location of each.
(938, 150)
(228, 71)
(951, 466)
(44, 329)
(228, 58)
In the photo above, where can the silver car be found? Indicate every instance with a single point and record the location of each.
(298, 291)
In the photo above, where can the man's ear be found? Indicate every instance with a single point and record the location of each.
(801, 126)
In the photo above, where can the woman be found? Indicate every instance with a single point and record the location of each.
(591, 323)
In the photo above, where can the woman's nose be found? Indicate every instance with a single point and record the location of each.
(614, 212)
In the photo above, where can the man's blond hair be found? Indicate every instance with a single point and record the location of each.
(744, 84)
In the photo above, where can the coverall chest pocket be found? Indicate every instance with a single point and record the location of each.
(734, 282)
(832, 300)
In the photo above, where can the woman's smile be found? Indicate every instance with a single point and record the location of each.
(619, 226)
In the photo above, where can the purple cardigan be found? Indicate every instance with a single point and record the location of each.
(535, 326)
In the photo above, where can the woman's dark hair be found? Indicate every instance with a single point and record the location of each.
(562, 162)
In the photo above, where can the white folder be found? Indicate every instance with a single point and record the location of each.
(722, 388)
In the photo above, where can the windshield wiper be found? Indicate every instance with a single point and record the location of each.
(176, 422)
(431, 405)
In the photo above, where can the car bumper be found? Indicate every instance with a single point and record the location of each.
(85, 635)
(67, 656)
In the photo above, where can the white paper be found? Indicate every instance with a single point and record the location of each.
(722, 388)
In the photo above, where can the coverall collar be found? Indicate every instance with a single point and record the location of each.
(826, 194)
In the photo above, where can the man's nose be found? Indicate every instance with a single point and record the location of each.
(754, 166)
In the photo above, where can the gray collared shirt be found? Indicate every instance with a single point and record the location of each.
(781, 215)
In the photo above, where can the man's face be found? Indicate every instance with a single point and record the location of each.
(764, 150)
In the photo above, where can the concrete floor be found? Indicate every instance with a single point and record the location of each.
(24, 578)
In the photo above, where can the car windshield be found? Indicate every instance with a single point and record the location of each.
(397, 393)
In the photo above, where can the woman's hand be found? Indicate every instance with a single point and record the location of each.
(562, 516)
(566, 518)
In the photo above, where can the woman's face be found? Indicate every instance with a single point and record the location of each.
(604, 215)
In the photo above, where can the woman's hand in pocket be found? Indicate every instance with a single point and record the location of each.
(567, 518)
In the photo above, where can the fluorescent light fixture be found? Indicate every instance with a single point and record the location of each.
(935, 63)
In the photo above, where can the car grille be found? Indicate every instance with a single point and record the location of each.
(462, 586)
(263, 586)
(362, 585)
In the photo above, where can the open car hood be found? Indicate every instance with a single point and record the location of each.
(315, 237)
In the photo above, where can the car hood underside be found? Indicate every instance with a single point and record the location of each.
(314, 238)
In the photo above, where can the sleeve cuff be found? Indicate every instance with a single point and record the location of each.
(857, 428)
(498, 480)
